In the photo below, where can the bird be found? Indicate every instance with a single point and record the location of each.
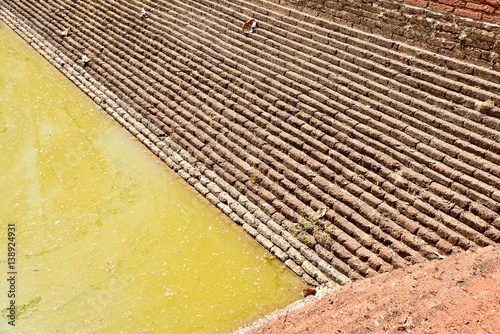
(143, 14)
(85, 60)
(249, 26)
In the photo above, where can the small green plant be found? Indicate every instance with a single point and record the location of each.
(307, 225)
(254, 174)
(313, 223)
(302, 238)
(329, 229)
(323, 237)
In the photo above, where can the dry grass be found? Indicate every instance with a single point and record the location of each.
(485, 107)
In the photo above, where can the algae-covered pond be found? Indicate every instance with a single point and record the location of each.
(109, 240)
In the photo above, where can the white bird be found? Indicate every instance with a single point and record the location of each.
(143, 13)
(85, 60)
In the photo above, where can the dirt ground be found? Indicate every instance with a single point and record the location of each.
(458, 294)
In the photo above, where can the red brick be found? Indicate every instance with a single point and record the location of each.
(482, 7)
(419, 3)
(468, 13)
(454, 3)
(492, 18)
(441, 7)
(493, 2)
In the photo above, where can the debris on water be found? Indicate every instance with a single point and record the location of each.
(249, 26)
(66, 32)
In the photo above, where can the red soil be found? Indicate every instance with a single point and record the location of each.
(459, 294)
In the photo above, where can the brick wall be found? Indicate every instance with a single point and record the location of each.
(486, 10)
(468, 30)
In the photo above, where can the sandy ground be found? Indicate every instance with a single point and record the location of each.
(458, 294)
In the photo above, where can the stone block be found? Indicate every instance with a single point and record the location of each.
(280, 242)
(250, 230)
(280, 254)
(294, 267)
(265, 231)
(266, 243)
(295, 255)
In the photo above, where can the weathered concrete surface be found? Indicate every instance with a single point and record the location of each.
(343, 153)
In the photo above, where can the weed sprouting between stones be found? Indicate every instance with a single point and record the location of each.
(314, 226)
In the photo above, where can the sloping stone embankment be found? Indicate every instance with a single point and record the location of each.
(343, 153)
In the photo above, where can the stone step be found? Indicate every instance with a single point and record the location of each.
(318, 29)
(184, 125)
(384, 64)
(362, 79)
(306, 114)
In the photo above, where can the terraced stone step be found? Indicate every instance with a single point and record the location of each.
(304, 115)
(354, 46)
(316, 28)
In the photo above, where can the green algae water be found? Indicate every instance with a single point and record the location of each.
(108, 240)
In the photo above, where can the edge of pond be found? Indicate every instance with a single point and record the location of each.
(304, 262)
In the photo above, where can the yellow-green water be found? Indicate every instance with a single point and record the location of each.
(108, 240)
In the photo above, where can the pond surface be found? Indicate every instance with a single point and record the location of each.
(108, 239)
